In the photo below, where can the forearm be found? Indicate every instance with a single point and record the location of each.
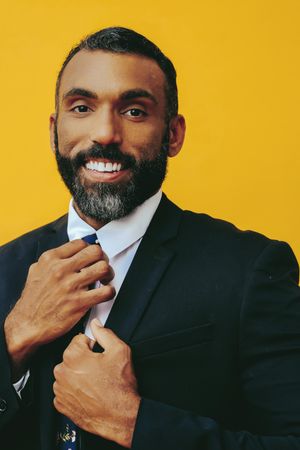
(20, 344)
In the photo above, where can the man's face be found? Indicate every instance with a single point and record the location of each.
(111, 138)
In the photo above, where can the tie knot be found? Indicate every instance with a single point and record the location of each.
(91, 239)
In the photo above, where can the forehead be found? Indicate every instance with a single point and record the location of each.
(112, 73)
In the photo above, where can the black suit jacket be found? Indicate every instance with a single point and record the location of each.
(212, 315)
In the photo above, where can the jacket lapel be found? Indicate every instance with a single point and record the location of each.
(54, 236)
(149, 264)
(50, 355)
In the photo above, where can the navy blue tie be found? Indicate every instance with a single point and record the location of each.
(68, 433)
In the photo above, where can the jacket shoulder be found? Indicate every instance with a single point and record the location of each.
(198, 230)
(223, 237)
(27, 242)
(225, 245)
(208, 224)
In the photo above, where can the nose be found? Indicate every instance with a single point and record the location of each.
(106, 128)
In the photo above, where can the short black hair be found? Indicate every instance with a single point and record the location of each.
(124, 40)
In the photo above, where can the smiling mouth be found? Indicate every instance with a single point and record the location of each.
(103, 166)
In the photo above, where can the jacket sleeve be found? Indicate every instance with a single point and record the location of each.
(13, 269)
(269, 361)
(9, 400)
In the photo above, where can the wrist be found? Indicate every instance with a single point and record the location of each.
(20, 347)
(127, 422)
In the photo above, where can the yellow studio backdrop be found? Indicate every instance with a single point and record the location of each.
(238, 75)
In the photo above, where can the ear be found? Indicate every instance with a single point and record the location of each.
(176, 135)
(52, 122)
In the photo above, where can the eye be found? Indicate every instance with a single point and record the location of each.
(81, 109)
(135, 112)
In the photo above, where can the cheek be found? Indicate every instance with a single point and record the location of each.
(70, 138)
(144, 143)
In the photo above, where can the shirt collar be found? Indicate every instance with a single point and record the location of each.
(117, 235)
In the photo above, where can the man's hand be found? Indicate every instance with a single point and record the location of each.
(98, 391)
(55, 297)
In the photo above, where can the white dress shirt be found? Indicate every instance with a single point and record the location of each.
(119, 239)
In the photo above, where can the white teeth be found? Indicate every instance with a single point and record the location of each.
(103, 167)
(100, 166)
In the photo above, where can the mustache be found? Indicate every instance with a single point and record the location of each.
(111, 151)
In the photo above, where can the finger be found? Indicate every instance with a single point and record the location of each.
(74, 352)
(93, 297)
(57, 405)
(67, 250)
(57, 371)
(86, 257)
(92, 343)
(79, 341)
(105, 337)
(104, 255)
(56, 388)
(99, 271)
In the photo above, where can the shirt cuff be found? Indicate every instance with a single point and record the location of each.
(20, 384)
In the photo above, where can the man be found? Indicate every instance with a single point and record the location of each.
(201, 343)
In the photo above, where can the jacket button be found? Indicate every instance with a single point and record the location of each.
(3, 405)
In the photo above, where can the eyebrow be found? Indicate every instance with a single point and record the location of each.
(81, 93)
(138, 93)
(131, 94)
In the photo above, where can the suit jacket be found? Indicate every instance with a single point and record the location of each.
(212, 315)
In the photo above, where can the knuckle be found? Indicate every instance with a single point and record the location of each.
(55, 387)
(123, 346)
(122, 350)
(105, 257)
(74, 347)
(69, 284)
(47, 256)
(93, 251)
(67, 355)
(97, 251)
(57, 371)
(77, 243)
(57, 405)
(67, 358)
(32, 268)
(58, 274)
(78, 339)
(81, 300)
(57, 271)
(104, 269)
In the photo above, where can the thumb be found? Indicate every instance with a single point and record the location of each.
(95, 323)
(105, 337)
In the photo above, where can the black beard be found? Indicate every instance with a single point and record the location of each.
(110, 201)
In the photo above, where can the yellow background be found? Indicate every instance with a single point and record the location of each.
(238, 75)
